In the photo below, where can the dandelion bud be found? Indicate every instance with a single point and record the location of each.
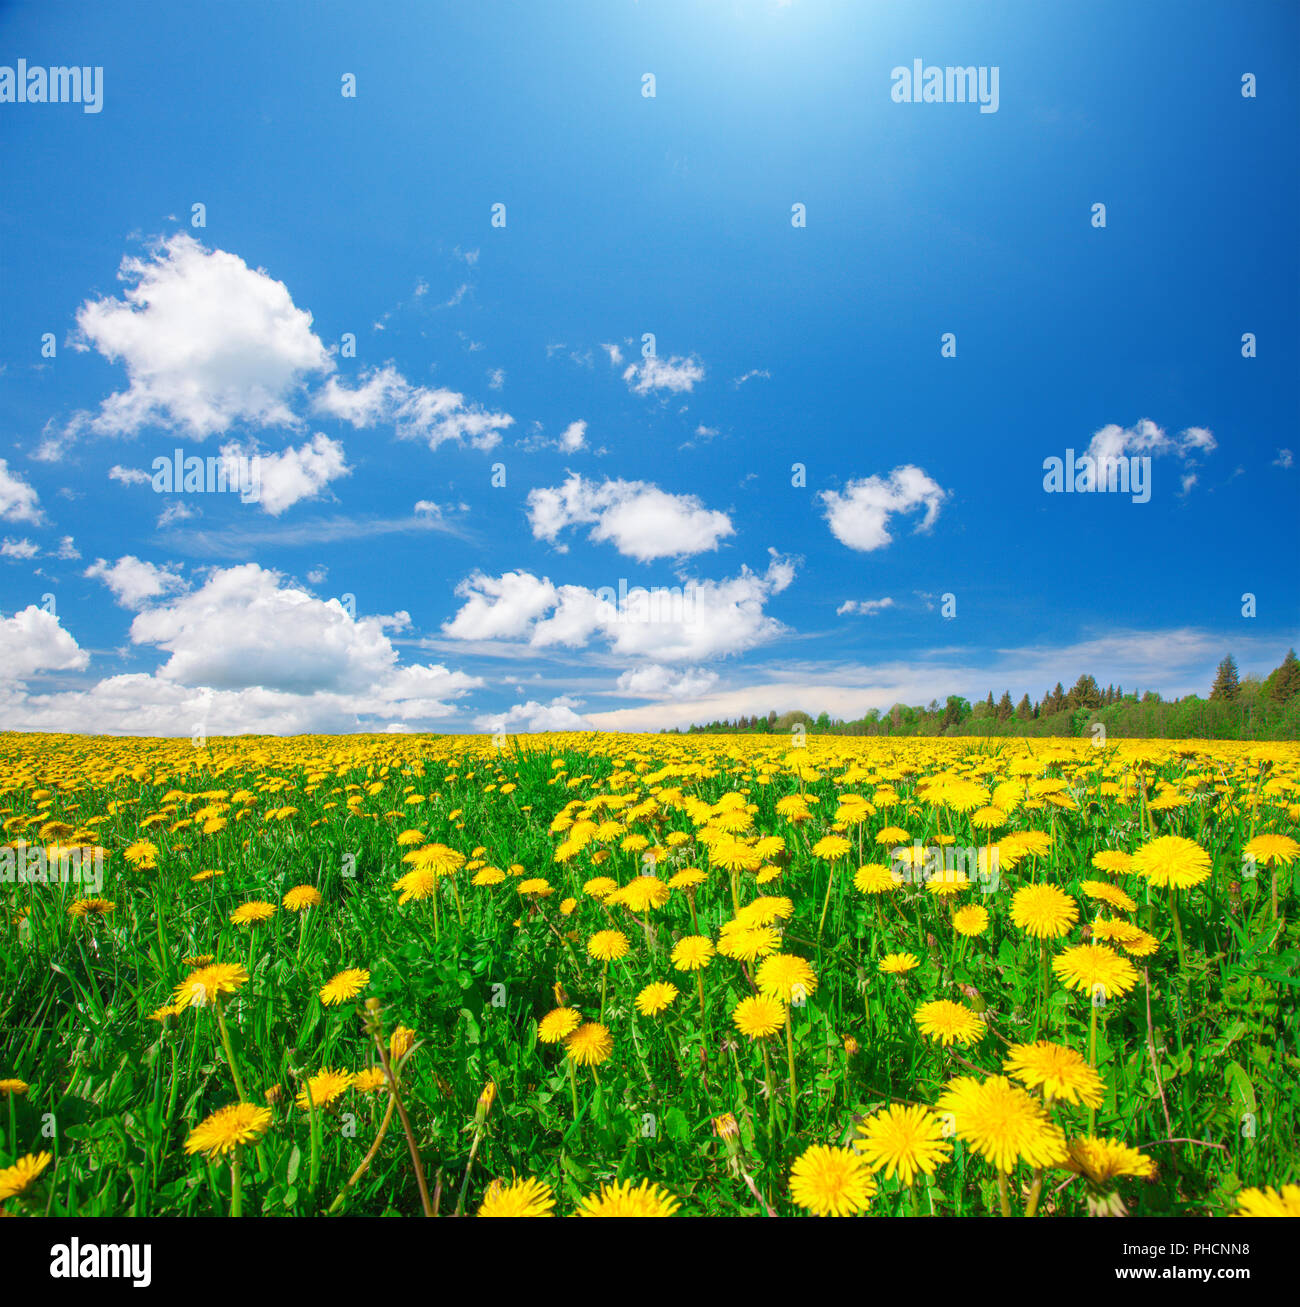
(485, 1100)
(851, 1048)
(273, 1095)
(399, 1045)
(372, 1005)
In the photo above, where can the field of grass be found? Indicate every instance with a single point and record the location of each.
(949, 977)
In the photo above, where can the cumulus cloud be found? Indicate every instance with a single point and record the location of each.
(655, 681)
(18, 500)
(864, 607)
(573, 437)
(639, 519)
(859, 516)
(526, 718)
(695, 622)
(129, 476)
(135, 582)
(615, 355)
(206, 341)
(246, 653)
(1144, 437)
(285, 478)
(1285, 458)
(33, 641)
(20, 550)
(434, 415)
(674, 375)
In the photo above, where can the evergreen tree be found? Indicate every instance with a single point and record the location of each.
(1283, 682)
(1004, 706)
(1024, 709)
(1084, 694)
(1227, 684)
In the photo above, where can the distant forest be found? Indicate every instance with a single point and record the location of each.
(1237, 708)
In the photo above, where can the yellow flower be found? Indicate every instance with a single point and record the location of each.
(787, 977)
(758, 1016)
(519, 1198)
(14, 1086)
(207, 984)
(370, 1080)
(903, 1141)
(621, 1199)
(252, 914)
(1058, 1071)
(1043, 911)
(558, 1025)
(345, 985)
(302, 897)
(831, 1181)
(692, 953)
(14, 1179)
(227, 1128)
(326, 1086)
(607, 945)
(898, 964)
(1273, 849)
(1268, 1201)
(94, 907)
(1173, 862)
(655, 998)
(1107, 1159)
(971, 920)
(590, 1045)
(400, 1043)
(1002, 1123)
(1095, 969)
(949, 1022)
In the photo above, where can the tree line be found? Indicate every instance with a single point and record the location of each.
(1237, 708)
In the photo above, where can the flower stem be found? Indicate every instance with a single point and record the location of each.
(230, 1054)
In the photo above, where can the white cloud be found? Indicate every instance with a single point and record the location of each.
(176, 511)
(434, 415)
(19, 502)
(573, 437)
(864, 607)
(615, 355)
(33, 641)
(1285, 458)
(496, 378)
(762, 373)
(691, 623)
(206, 341)
(286, 478)
(248, 654)
(1144, 437)
(526, 718)
(859, 517)
(67, 549)
(653, 373)
(19, 549)
(655, 681)
(129, 476)
(133, 581)
(639, 519)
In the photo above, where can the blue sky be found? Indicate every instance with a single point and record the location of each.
(383, 581)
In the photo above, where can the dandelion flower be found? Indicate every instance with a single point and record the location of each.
(1058, 1071)
(787, 977)
(903, 1141)
(14, 1179)
(227, 1128)
(252, 914)
(621, 1199)
(831, 1181)
(971, 920)
(692, 953)
(949, 1022)
(519, 1198)
(1043, 911)
(1093, 968)
(1003, 1123)
(1101, 1160)
(1104, 892)
(207, 984)
(302, 897)
(899, 964)
(1170, 861)
(347, 984)
(607, 945)
(655, 998)
(590, 1045)
(874, 879)
(1252, 1202)
(758, 1016)
(558, 1025)
(326, 1086)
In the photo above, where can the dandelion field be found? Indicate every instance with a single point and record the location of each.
(636, 975)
